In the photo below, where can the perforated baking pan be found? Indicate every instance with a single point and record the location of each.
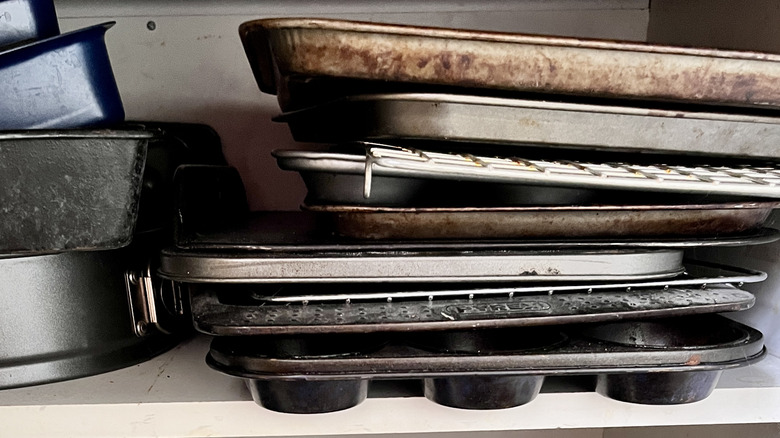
(277, 309)
(296, 57)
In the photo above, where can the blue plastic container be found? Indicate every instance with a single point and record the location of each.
(23, 20)
(60, 82)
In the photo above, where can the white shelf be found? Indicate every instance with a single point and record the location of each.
(176, 394)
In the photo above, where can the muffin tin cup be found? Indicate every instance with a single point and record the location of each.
(483, 392)
(658, 388)
(308, 397)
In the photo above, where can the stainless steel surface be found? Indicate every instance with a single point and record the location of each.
(476, 119)
(411, 266)
(221, 311)
(66, 315)
(695, 274)
(282, 51)
(576, 355)
(742, 180)
(546, 222)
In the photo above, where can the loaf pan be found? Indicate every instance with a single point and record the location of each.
(68, 190)
(64, 81)
(23, 20)
(297, 58)
(667, 361)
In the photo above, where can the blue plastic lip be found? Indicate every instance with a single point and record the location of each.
(35, 48)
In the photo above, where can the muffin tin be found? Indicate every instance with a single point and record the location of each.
(661, 361)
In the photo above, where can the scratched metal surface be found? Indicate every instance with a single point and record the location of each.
(284, 51)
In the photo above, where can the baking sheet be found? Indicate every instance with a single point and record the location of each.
(290, 55)
(300, 231)
(224, 311)
(394, 176)
(419, 266)
(545, 222)
(477, 119)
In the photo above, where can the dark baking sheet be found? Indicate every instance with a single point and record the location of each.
(547, 222)
(237, 311)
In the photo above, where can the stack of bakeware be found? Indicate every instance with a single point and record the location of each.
(496, 209)
(85, 207)
(85, 214)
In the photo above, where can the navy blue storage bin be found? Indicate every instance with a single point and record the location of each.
(23, 20)
(60, 82)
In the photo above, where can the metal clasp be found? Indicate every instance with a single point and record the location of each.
(155, 304)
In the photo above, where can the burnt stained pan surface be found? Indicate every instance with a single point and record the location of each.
(668, 361)
(300, 231)
(287, 53)
(545, 222)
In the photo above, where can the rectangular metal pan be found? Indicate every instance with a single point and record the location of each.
(65, 81)
(25, 20)
(391, 176)
(479, 120)
(68, 190)
(300, 231)
(289, 56)
(545, 222)
(667, 361)
(371, 308)
(340, 179)
(415, 266)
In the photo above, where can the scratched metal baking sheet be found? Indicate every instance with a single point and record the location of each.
(420, 266)
(295, 57)
(476, 119)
